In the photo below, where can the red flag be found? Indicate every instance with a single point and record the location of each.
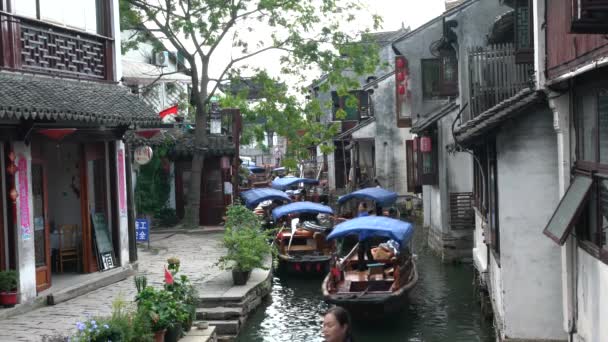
(168, 277)
(168, 111)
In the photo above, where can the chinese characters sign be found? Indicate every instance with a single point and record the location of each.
(142, 230)
(24, 199)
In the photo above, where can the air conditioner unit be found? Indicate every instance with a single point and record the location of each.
(161, 59)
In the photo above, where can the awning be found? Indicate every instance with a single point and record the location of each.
(45, 98)
(358, 127)
(144, 73)
(569, 208)
(428, 120)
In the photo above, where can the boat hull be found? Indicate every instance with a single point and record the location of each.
(317, 266)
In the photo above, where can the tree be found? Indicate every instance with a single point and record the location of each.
(308, 33)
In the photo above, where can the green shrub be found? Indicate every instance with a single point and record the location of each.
(8, 281)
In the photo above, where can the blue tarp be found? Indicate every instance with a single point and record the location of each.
(369, 226)
(301, 207)
(256, 169)
(279, 169)
(285, 182)
(254, 197)
(381, 196)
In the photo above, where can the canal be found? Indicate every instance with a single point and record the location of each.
(443, 307)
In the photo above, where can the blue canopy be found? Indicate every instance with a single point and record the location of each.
(286, 182)
(254, 197)
(368, 226)
(256, 169)
(381, 196)
(279, 169)
(301, 207)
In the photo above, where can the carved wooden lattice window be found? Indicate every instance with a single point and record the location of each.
(524, 42)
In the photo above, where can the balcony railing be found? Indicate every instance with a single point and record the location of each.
(494, 77)
(40, 47)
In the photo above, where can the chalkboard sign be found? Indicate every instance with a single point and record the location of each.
(562, 220)
(103, 242)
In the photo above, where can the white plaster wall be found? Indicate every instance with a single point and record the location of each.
(495, 290)
(426, 204)
(26, 259)
(434, 208)
(480, 250)
(331, 171)
(116, 35)
(123, 220)
(527, 197)
(592, 298)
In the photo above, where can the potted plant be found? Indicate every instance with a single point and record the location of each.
(8, 288)
(245, 243)
(156, 305)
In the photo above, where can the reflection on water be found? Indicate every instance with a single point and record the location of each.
(442, 307)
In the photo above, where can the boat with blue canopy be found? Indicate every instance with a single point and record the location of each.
(254, 197)
(375, 276)
(301, 240)
(256, 169)
(381, 197)
(288, 182)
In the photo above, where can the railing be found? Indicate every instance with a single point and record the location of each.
(462, 214)
(494, 77)
(40, 47)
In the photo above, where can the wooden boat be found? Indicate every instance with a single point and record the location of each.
(382, 198)
(382, 288)
(303, 248)
(262, 201)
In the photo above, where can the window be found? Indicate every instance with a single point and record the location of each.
(426, 162)
(592, 225)
(412, 167)
(591, 120)
(439, 77)
(589, 16)
(79, 14)
(355, 105)
(524, 41)
(492, 215)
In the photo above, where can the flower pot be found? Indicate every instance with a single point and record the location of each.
(8, 299)
(240, 277)
(159, 336)
(173, 333)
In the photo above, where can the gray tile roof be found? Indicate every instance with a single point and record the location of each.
(44, 98)
(425, 122)
(496, 115)
(182, 145)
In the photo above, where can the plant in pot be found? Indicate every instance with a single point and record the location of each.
(8, 288)
(245, 242)
(156, 305)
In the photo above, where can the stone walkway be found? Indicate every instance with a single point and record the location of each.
(197, 253)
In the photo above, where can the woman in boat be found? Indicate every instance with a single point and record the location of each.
(337, 325)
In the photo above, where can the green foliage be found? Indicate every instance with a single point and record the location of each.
(161, 308)
(153, 186)
(8, 281)
(245, 242)
(167, 217)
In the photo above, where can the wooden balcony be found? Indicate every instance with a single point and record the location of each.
(35, 46)
(494, 76)
(589, 16)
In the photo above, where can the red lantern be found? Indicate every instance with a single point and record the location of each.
(13, 194)
(425, 145)
(11, 169)
(400, 76)
(415, 144)
(11, 156)
(400, 62)
(401, 90)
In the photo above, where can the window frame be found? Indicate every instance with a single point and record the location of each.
(341, 104)
(524, 55)
(444, 87)
(588, 24)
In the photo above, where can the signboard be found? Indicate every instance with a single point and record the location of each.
(24, 199)
(122, 187)
(142, 230)
(103, 242)
(143, 155)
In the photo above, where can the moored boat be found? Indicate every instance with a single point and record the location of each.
(262, 201)
(372, 289)
(301, 242)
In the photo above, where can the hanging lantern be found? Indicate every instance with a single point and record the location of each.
(57, 133)
(11, 169)
(400, 62)
(13, 194)
(425, 145)
(401, 90)
(415, 144)
(400, 76)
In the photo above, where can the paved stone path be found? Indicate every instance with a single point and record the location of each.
(197, 253)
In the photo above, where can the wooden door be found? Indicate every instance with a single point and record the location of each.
(41, 225)
(93, 199)
(212, 206)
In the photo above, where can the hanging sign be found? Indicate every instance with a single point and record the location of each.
(24, 199)
(143, 155)
(122, 187)
(425, 145)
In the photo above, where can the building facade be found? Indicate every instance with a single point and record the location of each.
(64, 207)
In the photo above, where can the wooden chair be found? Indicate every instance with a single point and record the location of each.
(68, 247)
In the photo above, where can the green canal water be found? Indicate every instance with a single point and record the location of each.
(442, 307)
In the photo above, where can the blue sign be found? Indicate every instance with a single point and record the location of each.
(142, 230)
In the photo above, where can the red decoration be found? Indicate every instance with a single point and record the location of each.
(147, 133)
(13, 194)
(168, 111)
(401, 89)
(11, 156)
(400, 62)
(168, 277)
(415, 144)
(297, 267)
(425, 145)
(11, 169)
(400, 76)
(57, 133)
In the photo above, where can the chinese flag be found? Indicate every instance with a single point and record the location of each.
(168, 111)
(168, 277)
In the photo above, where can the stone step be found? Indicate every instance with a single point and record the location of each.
(226, 327)
(219, 302)
(200, 335)
(219, 313)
